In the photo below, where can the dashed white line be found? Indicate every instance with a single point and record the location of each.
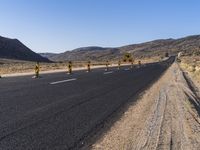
(68, 80)
(108, 72)
(127, 69)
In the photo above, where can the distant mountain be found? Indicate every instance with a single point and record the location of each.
(48, 55)
(86, 53)
(14, 49)
(189, 45)
(80, 54)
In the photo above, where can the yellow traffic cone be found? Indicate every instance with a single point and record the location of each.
(37, 70)
(70, 67)
(119, 64)
(88, 66)
(107, 63)
(139, 63)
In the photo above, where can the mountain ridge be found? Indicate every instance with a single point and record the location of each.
(15, 49)
(189, 45)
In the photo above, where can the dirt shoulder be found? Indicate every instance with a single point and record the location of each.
(43, 71)
(20, 68)
(191, 66)
(165, 117)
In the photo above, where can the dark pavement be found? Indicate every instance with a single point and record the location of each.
(58, 110)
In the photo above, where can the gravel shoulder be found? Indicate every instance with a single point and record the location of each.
(58, 70)
(167, 116)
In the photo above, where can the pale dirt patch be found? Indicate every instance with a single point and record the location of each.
(10, 67)
(44, 71)
(165, 117)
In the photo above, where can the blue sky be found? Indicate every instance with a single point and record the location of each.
(60, 25)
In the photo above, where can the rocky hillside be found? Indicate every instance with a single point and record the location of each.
(189, 45)
(14, 49)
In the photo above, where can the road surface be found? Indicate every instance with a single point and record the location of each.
(58, 110)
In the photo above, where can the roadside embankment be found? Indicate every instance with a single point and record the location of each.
(191, 66)
(165, 117)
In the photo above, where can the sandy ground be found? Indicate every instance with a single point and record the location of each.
(165, 117)
(58, 70)
(19, 68)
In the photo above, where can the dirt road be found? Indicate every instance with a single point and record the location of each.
(165, 117)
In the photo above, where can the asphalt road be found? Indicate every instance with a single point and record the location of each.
(58, 110)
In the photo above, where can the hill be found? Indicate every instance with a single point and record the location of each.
(14, 49)
(85, 53)
(189, 45)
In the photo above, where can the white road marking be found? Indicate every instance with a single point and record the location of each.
(127, 69)
(108, 72)
(68, 80)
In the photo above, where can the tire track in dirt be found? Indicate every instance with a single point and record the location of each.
(153, 125)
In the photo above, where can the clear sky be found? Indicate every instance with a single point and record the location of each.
(60, 25)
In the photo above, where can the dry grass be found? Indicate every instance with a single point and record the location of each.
(191, 64)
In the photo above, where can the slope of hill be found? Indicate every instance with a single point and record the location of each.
(14, 49)
(48, 55)
(189, 45)
(89, 53)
